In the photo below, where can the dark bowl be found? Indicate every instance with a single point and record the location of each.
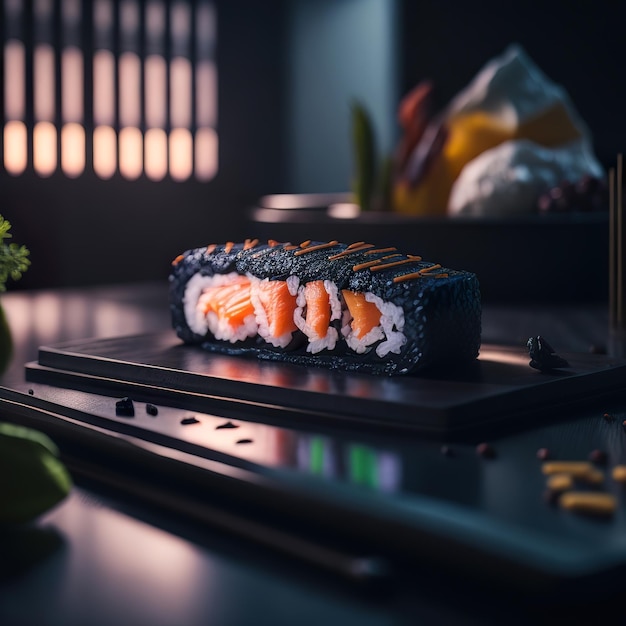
(552, 258)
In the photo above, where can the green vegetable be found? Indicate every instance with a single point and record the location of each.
(32, 478)
(364, 157)
(6, 342)
(14, 259)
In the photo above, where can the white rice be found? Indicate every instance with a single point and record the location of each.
(293, 282)
(388, 332)
(194, 302)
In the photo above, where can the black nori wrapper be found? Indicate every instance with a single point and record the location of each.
(442, 315)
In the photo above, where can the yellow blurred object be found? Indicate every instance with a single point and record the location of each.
(469, 135)
(552, 127)
(430, 196)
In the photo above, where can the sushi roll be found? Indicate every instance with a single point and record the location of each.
(353, 307)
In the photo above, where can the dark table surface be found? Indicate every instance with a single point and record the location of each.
(101, 557)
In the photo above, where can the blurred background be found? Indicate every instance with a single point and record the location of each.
(133, 130)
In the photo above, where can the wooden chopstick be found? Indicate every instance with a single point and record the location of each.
(612, 250)
(617, 238)
(620, 244)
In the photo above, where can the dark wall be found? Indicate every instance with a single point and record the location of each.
(580, 45)
(87, 230)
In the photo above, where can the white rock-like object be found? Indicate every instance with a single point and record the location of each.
(512, 89)
(508, 179)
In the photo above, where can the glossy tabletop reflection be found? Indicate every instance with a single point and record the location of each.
(102, 557)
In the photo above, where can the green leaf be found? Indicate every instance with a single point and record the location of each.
(364, 149)
(14, 259)
(32, 477)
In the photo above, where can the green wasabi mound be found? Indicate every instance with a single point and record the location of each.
(32, 478)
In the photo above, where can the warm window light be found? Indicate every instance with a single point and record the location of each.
(103, 15)
(44, 148)
(129, 17)
(73, 150)
(130, 82)
(180, 92)
(155, 157)
(104, 87)
(104, 152)
(153, 113)
(206, 154)
(155, 72)
(72, 84)
(43, 82)
(15, 150)
(181, 154)
(131, 153)
(206, 93)
(155, 19)
(14, 80)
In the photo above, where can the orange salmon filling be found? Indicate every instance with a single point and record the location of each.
(317, 307)
(279, 306)
(365, 315)
(231, 303)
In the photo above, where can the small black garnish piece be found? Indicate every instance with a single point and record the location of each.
(31, 392)
(151, 410)
(244, 441)
(226, 425)
(542, 355)
(125, 408)
(189, 420)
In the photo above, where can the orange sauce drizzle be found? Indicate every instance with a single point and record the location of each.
(356, 244)
(393, 264)
(380, 250)
(347, 251)
(272, 243)
(178, 259)
(289, 247)
(228, 247)
(211, 248)
(250, 243)
(363, 266)
(390, 256)
(401, 279)
(305, 244)
(424, 272)
(430, 269)
(321, 246)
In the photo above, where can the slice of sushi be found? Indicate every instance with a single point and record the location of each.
(353, 307)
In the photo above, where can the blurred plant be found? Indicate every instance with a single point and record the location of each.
(14, 259)
(364, 157)
(371, 184)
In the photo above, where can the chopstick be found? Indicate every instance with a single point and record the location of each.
(357, 567)
(617, 233)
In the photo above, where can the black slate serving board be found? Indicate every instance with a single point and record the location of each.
(500, 388)
(394, 490)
